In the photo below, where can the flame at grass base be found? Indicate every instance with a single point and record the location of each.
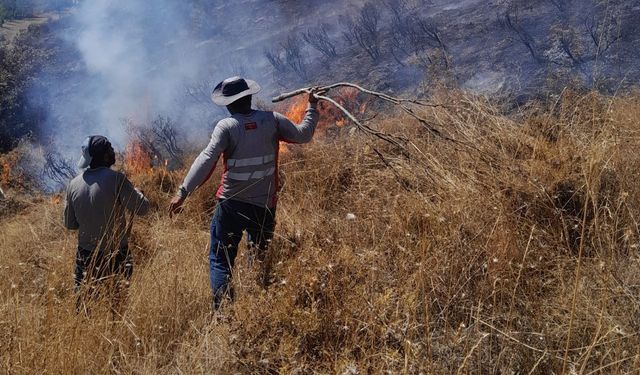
(329, 115)
(137, 159)
(10, 175)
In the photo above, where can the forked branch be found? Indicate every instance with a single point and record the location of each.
(365, 128)
(402, 102)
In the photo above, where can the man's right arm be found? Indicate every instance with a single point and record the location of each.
(205, 163)
(70, 221)
(202, 167)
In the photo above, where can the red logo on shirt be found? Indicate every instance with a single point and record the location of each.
(250, 126)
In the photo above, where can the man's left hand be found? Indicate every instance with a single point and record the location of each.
(316, 91)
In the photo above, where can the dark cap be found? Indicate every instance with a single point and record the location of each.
(93, 146)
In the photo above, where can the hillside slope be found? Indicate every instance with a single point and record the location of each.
(109, 61)
(513, 249)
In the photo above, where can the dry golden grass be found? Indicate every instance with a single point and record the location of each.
(514, 250)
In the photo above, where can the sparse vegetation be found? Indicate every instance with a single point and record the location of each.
(365, 31)
(512, 249)
(58, 169)
(294, 57)
(17, 70)
(319, 39)
(17, 9)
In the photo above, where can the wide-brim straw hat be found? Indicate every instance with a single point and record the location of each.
(232, 89)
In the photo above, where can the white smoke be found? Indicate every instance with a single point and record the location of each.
(141, 59)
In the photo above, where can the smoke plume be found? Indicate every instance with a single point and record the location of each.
(139, 60)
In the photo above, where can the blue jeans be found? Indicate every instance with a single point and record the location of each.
(230, 219)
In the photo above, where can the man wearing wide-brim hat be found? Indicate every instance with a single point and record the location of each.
(248, 141)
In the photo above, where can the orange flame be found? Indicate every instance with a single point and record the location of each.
(296, 110)
(348, 97)
(6, 172)
(9, 175)
(363, 107)
(137, 159)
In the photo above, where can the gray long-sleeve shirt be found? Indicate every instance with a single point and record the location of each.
(249, 147)
(96, 202)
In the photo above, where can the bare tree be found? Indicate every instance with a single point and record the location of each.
(58, 169)
(158, 140)
(405, 40)
(196, 97)
(319, 39)
(274, 58)
(567, 48)
(430, 33)
(400, 45)
(398, 49)
(511, 23)
(294, 57)
(288, 57)
(198, 92)
(165, 135)
(143, 135)
(369, 19)
(411, 34)
(365, 30)
(603, 31)
(398, 8)
(347, 25)
(567, 45)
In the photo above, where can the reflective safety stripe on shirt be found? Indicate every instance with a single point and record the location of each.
(251, 175)
(251, 161)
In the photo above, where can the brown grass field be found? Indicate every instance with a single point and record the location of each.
(513, 250)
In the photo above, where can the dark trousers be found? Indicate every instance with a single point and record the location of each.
(94, 268)
(230, 219)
